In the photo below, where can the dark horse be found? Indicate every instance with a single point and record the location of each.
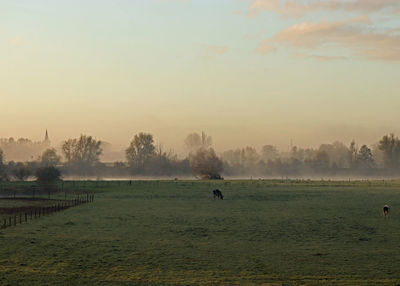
(385, 210)
(217, 194)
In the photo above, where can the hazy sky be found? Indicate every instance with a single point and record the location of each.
(247, 72)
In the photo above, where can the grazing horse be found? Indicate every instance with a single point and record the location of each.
(385, 210)
(217, 194)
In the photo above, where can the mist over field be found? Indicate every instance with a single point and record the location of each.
(86, 157)
(199, 142)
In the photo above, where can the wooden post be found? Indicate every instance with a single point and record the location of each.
(9, 220)
(26, 217)
(15, 220)
(20, 219)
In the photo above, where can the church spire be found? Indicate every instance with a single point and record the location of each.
(46, 137)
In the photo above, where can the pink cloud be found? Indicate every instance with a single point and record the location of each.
(349, 34)
(296, 8)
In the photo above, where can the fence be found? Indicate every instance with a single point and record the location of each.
(37, 212)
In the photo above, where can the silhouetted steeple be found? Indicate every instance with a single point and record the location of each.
(46, 137)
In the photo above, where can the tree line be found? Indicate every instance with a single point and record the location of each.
(82, 157)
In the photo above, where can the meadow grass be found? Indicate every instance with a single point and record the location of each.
(275, 232)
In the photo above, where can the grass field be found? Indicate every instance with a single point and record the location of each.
(173, 233)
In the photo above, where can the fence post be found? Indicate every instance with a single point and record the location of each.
(20, 219)
(9, 221)
(26, 217)
(15, 220)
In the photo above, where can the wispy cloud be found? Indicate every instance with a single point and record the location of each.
(350, 34)
(318, 57)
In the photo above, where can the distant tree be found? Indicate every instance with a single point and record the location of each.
(206, 164)
(84, 151)
(321, 161)
(21, 171)
(339, 154)
(47, 178)
(22, 149)
(390, 146)
(352, 154)
(48, 174)
(1, 158)
(195, 141)
(50, 158)
(250, 157)
(140, 151)
(3, 173)
(269, 152)
(162, 162)
(365, 160)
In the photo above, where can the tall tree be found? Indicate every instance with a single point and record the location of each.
(140, 151)
(84, 151)
(390, 146)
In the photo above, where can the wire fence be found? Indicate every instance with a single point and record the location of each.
(25, 214)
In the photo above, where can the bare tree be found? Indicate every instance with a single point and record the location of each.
(140, 151)
(82, 152)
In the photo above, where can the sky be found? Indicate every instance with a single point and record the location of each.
(247, 72)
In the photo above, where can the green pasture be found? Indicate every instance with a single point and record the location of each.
(275, 232)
